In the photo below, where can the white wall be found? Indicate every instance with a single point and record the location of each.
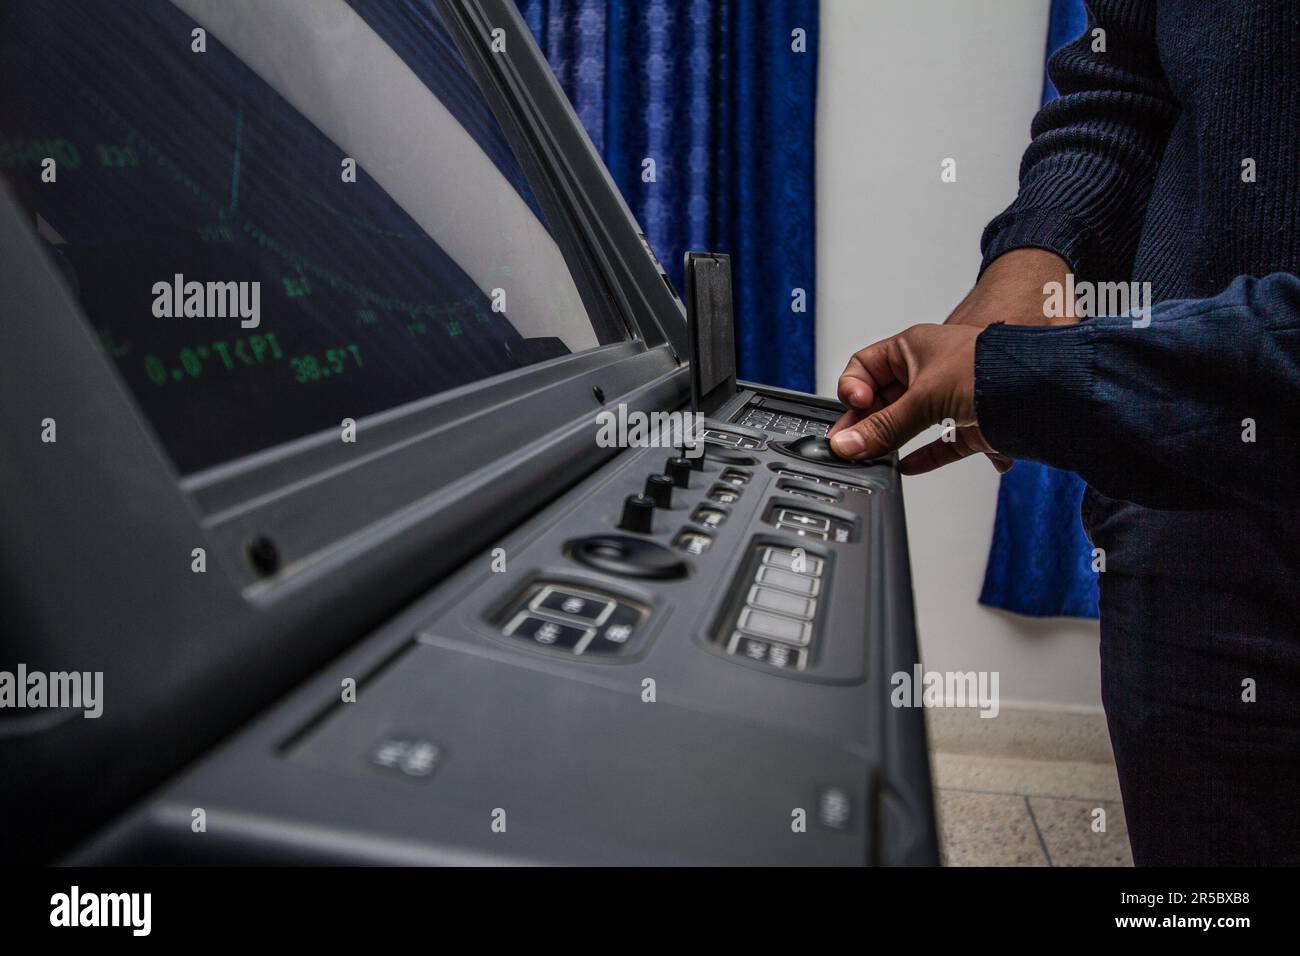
(903, 85)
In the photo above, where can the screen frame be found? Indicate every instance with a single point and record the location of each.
(313, 493)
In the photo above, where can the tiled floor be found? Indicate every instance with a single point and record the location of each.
(1003, 811)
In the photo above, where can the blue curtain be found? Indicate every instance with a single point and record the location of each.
(715, 93)
(1040, 562)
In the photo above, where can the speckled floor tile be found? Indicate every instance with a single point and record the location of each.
(987, 829)
(1067, 827)
(1046, 778)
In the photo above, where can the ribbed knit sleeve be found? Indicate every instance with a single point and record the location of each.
(1087, 174)
(1198, 409)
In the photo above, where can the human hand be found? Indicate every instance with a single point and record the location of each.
(898, 387)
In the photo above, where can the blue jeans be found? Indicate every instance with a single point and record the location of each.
(1200, 675)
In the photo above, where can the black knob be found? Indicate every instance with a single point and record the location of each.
(696, 461)
(659, 488)
(679, 470)
(638, 513)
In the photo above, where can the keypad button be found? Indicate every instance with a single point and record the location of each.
(778, 655)
(734, 476)
(582, 607)
(766, 652)
(413, 757)
(803, 532)
(616, 633)
(539, 630)
(810, 495)
(774, 626)
(790, 561)
(693, 542)
(709, 517)
(782, 602)
(801, 519)
(724, 494)
(789, 581)
(834, 808)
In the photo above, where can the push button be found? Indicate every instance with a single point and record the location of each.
(547, 633)
(766, 652)
(709, 517)
(800, 519)
(724, 494)
(834, 808)
(789, 581)
(617, 631)
(774, 626)
(734, 476)
(795, 562)
(782, 602)
(804, 532)
(410, 756)
(693, 542)
(585, 608)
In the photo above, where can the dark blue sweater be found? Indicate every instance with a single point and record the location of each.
(1136, 172)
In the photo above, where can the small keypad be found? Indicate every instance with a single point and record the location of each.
(574, 620)
(794, 426)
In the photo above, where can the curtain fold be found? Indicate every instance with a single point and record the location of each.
(715, 94)
(1040, 560)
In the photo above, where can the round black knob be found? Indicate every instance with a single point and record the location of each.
(659, 488)
(679, 470)
(638, 513)
(696, 460)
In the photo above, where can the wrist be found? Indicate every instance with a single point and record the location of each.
(1011, 290)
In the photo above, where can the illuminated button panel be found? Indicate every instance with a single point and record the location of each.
(573, 620)
(772, 619)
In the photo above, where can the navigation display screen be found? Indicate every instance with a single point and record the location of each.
(282, 214)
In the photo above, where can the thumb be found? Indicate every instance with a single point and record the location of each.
(886, 430)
